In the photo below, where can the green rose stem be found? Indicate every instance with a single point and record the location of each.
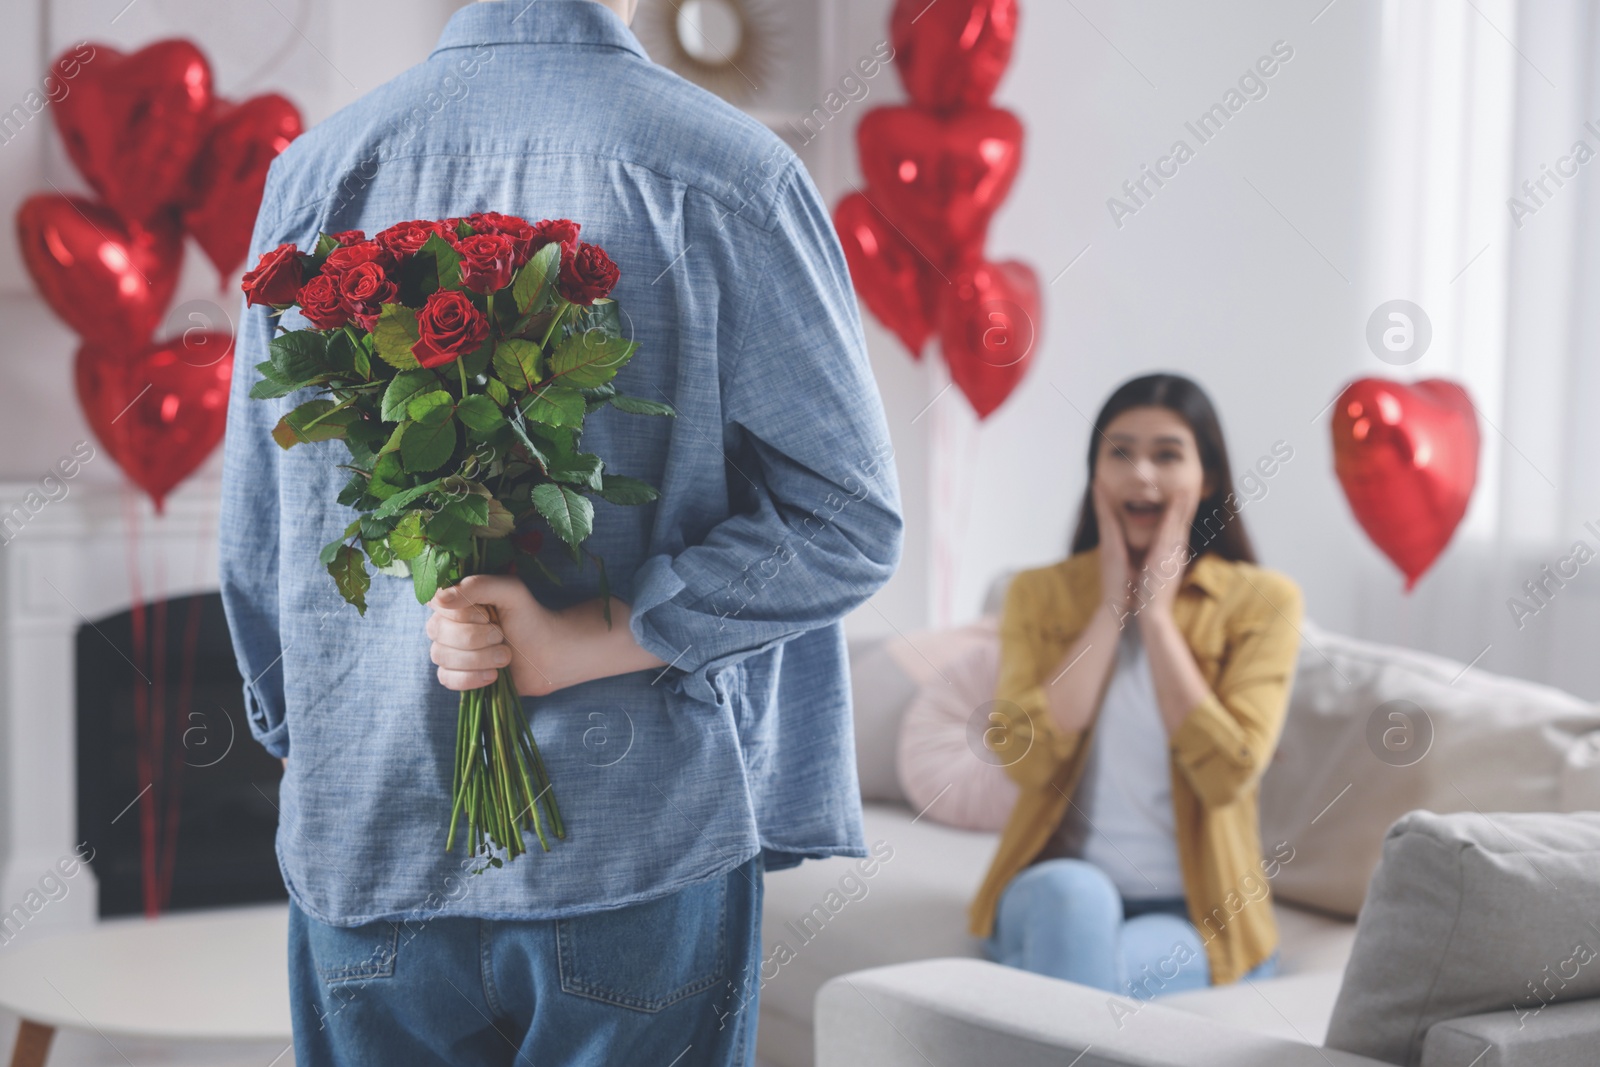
(498, 767)
(555, 320)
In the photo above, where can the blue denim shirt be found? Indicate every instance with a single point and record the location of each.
(779, 513)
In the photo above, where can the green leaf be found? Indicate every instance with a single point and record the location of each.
(447, 261)
(388, 474)
(498, 392)
(349, 570)
(536, 280)
(341, 352)
(331, 550)
(406, 385)
(397, 503)
(568, 512)
(517, 363)
(325, 243)
(270, 388)
(431, 407)
(471, 509)
(382, 555)
(311, 421)
(481, 413)
(603, 315)
(428, 445)
(425, 573)
(405, 540)
(581, 469)
(638, 405)
(299, 356)
(393, 443)
(590, 359)
(555, 405)
(620, 489)
(393, 335)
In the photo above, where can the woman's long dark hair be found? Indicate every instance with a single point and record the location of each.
(1217, 526)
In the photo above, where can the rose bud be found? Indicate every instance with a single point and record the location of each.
(486, 261)
(517, 230)
(344, 257)
(321, 303)
(365, 288)
(407, 238)
(449, 325)
(587, 273)
(561, 231)
(276, 278)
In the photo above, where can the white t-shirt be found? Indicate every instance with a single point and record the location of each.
(1128, 784)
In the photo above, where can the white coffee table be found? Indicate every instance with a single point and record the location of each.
(219, 975)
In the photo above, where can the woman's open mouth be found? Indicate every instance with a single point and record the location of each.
(1142, 511)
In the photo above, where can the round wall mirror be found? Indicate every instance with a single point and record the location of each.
(727, 46)
(710, 30)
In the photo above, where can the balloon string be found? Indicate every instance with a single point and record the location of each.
(141, 714)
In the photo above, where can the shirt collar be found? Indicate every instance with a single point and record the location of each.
(577, 22)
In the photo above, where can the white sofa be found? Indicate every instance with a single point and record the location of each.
(1336, 784)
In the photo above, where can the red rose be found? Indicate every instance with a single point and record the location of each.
(486, 261)
(520, 233)
(406, 238)
(348, 237)
(321, 303)
(587, 273)
(529, 541)
(276, 278)
(450, 325)
(365, 288)
(560, 231)
(344, 257)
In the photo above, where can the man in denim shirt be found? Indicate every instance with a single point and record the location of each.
(706, 737)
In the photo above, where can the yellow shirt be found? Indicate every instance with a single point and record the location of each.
(1241, 622)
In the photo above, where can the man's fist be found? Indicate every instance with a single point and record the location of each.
(483, 623)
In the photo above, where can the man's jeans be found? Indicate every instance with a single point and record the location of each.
(672, 980)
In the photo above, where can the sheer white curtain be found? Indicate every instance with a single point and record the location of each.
(1477, 98)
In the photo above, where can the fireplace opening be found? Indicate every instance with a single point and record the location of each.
(183, 818)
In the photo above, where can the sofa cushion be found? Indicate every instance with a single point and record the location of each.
(1374, 731)
(946, 771)
(880, 689)
(1470, 913)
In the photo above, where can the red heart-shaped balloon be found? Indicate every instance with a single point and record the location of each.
(953, 53)
(1407, 457)
(132, 124)
(939, 180)
(230, 173)
(108, 279)
(893, 279)
(989, 330)
(159, 410)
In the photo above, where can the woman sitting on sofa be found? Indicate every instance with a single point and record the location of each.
(1142, 688)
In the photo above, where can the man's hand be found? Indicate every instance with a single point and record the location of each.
(489, 621)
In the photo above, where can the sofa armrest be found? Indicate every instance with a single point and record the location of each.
(972, 1011)
(1558, 1035)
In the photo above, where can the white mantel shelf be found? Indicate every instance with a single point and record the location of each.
(70, 565)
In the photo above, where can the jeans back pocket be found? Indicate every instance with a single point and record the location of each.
(651, 955)
(353, 953)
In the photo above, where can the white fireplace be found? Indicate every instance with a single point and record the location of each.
(70, 564)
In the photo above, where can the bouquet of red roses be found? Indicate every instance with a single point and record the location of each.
(457, 360)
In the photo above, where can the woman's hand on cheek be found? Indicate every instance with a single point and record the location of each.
(486, 622)
(1169, 555)
(1115, 570)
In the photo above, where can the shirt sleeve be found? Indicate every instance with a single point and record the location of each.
(1021, 731)
(1224, 744)
(822, 530)
(247, 525)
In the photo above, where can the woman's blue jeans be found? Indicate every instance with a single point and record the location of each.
(1065, 918)
(671, 980)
